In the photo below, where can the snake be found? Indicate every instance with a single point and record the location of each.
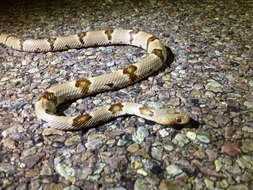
(50, 99)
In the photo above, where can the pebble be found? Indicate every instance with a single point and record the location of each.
(157, 152)
(214, 86)
(64, 170)
(224, 184)
(94, 142)
(173, 170)
(133, 147)
(218, 165)
(29, 151)
(248, 104)
(209, 183)
(238, 187)
(203, 139)
(72, 140)
(71, 187)
(164, 133)
(180, 140)
(117, 188)
(11, 130)
(9, 143)
(230, 149)
(168, 147)
(142, 172)
(191, 135)
(140, 184)
(52, 131)
(140, 135)
(247, 145)
(53, 186)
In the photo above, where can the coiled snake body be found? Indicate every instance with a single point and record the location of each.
(48, 101)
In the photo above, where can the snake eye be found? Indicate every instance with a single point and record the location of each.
(179, 120)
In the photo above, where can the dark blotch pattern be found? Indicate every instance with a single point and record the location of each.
(51, 41)
(151, 39)
(81, 36)
(116, 108)
(49, 96)
(81, 120)
(159, 53)
(146, 111)
(109, 34)
(130, 71)
(84, 84)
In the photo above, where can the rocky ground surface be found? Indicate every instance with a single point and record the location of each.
(211, 79)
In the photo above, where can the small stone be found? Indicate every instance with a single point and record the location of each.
(99, 169)
(95, 141)
(140, 135)
(224, 184)
(32, 173)
(164, 185)
(180, 140)
(199, 154)
(133, 147)
(214, 86)
(72, 140)
(46, 169)
(29, 151)
(230, 149)
(142, 172)
(209, 184)
(137, 165)
(142, 152)
(71, 187)
(174, 102)
(9, 143)
(238, 187)
(247, 145)
(163, 133)
(245, 161)
(52, 131)
(247, 129)
(53, 186)
(140, 184)
(116, 188)
(65, 171)
(173, 170)
(31, 161)
(203, 139)
(152, 179)
(121, 142)
(248, 104)
(14, 129)
(168, 147)
(191, 135)
(157, 152)
(218, 165)
(88, 53)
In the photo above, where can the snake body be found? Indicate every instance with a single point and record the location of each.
(48, 101)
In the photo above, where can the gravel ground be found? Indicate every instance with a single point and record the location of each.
(211, 79)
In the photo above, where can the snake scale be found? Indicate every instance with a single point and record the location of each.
(46, 106)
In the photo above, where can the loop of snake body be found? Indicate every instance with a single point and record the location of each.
(48, 101)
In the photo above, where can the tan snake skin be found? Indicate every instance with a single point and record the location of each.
(49, 100)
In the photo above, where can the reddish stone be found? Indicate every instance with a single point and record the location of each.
(230, 149)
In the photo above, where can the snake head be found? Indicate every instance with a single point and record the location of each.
(172, 117)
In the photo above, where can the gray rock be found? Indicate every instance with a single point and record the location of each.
(140, 184)
(173, 170)
(180, 140)
(140, 135)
